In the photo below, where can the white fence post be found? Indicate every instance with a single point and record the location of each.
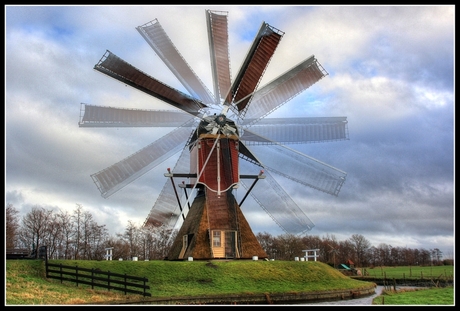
(314, 255)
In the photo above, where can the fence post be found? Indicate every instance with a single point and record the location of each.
(108, 280)
(125, 284)
(60, 271)
(92, 278)
(76, 274)
(46, 268)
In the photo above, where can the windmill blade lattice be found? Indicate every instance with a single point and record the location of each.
(166, 211)
(274, 200)
(285, 87)
(101, 116)
(301, 168)
(117, 176)
(271, 131)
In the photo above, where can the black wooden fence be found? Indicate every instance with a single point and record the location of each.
(95, 277)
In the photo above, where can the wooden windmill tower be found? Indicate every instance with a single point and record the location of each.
(215, 226)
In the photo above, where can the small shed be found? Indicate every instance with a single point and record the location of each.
(350, 263)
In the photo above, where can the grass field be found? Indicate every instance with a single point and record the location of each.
(415, 272)
(431, 296)
(26, 283)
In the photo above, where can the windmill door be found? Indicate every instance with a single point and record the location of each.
(224, 244)
(230, 244)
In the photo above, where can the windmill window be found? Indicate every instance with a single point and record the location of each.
(216, 237)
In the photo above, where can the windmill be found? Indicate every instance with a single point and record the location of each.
(219, 136)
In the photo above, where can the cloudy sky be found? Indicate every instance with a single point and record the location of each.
(390, 72)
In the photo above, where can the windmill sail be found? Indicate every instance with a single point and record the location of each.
(220, 59)
(253, 67)
(285, 87)
(118, 175)
(157, 38)
(115, 67)
(270, 131)
(101, 116)
(274, 200)
(301, 168)
(166, 211)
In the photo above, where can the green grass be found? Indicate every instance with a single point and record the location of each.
(26, 283)
(183, 278)
(415, 272)
(430, 296)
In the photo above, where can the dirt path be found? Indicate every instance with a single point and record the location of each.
(351, 302)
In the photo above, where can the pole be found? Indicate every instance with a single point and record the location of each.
(175, 191)
(186, 195)
(252, 186)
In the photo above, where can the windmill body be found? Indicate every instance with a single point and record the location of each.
(215, 226)
(215, 155)
(218, 150)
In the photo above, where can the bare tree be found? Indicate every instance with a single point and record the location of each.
(155, 242)
(384, 254)
(68, 234)
(53, 236)
(147, 242)
(436, 256)
(267, 242)
(35, 225)
(164, 238)
(395, 255)
(11, 226)
(86, 233)
(314, 242)
(361, 246)
(77, 217)
(79, 236)
(132, 237)
(374, 256)
(120, 247)
(330, 244)
(89, 238)
(346, 251)
(289, 246)
(97, 241)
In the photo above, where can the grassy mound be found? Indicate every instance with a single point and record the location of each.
(26, 282)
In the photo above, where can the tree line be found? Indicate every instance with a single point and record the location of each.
(78, 236)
